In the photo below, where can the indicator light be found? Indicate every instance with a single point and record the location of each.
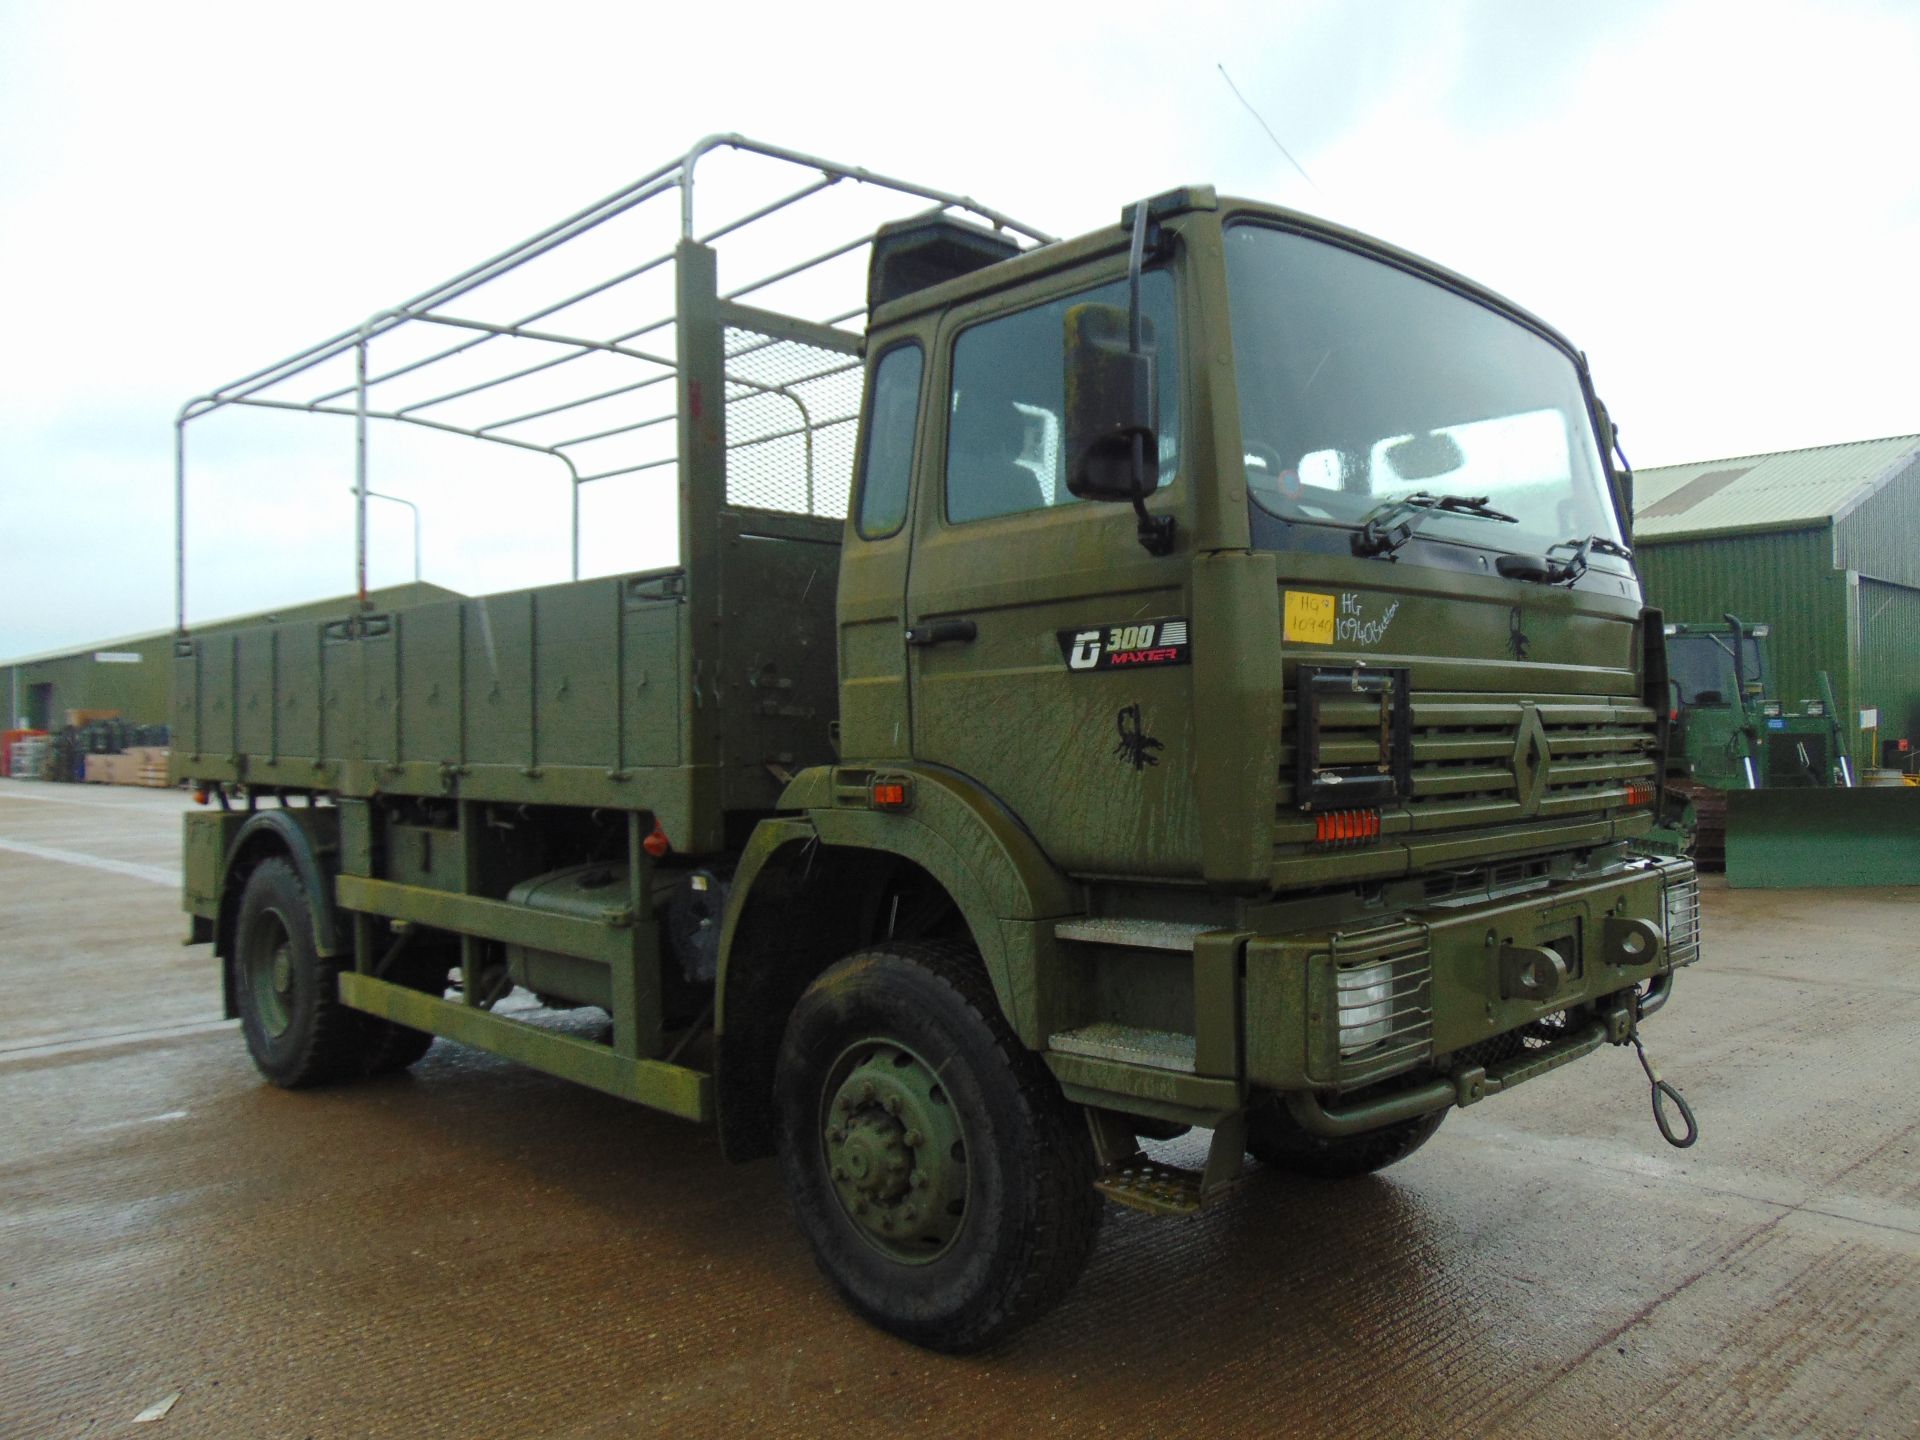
(888, 795)
(656, 844)
(1639, 793)
(1346, 827)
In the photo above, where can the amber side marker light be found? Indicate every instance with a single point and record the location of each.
(1639, 794)
(1346, 827)
(656, 844)
(888, 795)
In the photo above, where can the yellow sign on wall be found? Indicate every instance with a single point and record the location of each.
(1308, 618)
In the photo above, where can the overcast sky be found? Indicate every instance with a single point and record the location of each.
(1716, 200)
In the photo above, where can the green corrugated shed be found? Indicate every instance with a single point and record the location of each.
(1823, 544)
(131, 674)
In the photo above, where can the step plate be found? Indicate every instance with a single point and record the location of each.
(1143, 1184)
(1160, 1049)
(1175, 935)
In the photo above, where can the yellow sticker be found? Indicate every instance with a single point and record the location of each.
(1308, 618)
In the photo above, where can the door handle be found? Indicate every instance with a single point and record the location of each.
(940, 632)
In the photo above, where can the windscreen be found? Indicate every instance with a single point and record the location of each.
(1361, 384)
(1701, 667)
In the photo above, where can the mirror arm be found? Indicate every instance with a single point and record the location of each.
(1155, 532)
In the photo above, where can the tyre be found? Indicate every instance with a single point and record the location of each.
(297, 1030)
(392, 1047)
(396, 1047)
(943, 1182)
(1274, 1139)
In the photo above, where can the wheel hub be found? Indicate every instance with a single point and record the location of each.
(896, 1151)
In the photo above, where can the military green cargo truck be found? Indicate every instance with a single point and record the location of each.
(1186, 676)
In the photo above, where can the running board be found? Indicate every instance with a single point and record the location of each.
(1175, 935)
(1130, 1045)
(675, 1089)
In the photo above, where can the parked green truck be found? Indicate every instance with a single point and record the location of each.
(1209, 689)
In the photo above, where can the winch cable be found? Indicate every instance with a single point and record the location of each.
(1663, 1090)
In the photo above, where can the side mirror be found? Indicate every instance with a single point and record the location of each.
(1110, 406)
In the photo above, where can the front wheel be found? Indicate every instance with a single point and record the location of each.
(944, 1183)
(1275, 1140)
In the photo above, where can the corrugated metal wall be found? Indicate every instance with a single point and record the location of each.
(1868, 639)
(138, 690)
(1882, 537)
(1889, 648)
(1785, 578)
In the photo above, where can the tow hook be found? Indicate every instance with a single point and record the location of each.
(1664, 1091)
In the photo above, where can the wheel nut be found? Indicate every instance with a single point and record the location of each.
(914, 1138)
(866, 1090)
(893, 1105)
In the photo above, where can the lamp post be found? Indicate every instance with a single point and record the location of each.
(382, 495)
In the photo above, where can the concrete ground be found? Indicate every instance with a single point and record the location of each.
(475, 1250)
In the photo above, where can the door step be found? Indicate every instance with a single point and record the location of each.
(1128, 1176)
(1176, 935)
(1129, 1044)
(1143, 1184)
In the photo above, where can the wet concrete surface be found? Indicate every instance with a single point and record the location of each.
(476, 1250)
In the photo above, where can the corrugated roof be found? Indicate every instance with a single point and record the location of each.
(1791, 487)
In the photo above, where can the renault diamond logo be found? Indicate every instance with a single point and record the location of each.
(1530, 761)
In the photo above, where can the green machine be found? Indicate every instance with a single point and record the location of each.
(1191, 675)
(1730, 733)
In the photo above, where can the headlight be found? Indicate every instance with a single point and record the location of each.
(1366, 1006)
(1683, 919)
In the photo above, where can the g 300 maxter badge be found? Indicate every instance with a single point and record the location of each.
(1131, 645)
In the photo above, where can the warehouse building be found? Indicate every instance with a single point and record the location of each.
(131, 676)
(1823, 544)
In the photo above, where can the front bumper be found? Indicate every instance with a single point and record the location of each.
(1361, 1027)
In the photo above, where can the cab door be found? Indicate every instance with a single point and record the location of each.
(1048, 654)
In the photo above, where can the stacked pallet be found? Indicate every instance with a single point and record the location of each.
(136, 765)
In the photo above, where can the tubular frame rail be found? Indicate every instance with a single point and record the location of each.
(430, 308)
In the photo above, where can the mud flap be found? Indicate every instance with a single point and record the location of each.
(1784, 839)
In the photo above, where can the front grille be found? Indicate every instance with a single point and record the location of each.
(1480, 761)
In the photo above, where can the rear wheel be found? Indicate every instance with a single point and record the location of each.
(391, 1046)
(1274, 1139)
(296, 1029)
(944, 1183)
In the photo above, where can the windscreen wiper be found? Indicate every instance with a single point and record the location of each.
(1565, 572)
(1389, 526)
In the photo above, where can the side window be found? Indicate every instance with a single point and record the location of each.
(1004, 436)
(893, 407)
